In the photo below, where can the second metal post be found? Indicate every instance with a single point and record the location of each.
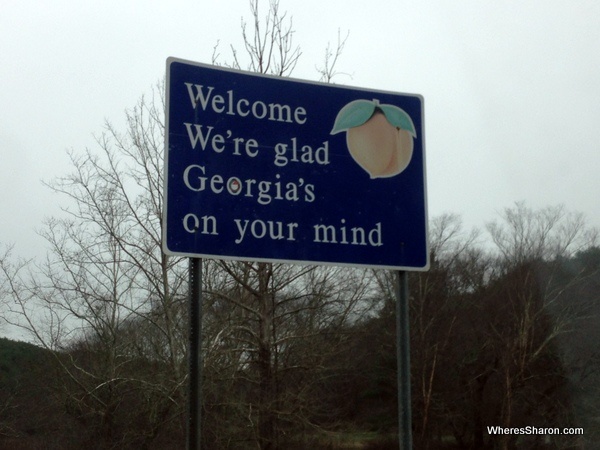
(403, 358)
(195, 355)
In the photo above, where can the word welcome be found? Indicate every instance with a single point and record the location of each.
(228, 104)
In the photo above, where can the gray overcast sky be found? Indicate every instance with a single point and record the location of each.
(511, 88)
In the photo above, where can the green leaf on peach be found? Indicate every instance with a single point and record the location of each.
(353, 114)
(399, 118)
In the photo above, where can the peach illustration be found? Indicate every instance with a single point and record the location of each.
(379, 137)
(380, 148)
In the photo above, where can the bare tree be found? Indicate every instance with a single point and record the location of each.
(268, 44)
(458, 267)
(266, 300)
(533, 246)
(328, 69)
(278, 327)
(104, 273)
(111, 305)
(492, 328)
(525, 234)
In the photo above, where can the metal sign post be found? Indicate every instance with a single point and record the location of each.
(403, 358)
(195, 355)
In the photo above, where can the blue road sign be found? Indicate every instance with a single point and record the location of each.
(266, 168)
